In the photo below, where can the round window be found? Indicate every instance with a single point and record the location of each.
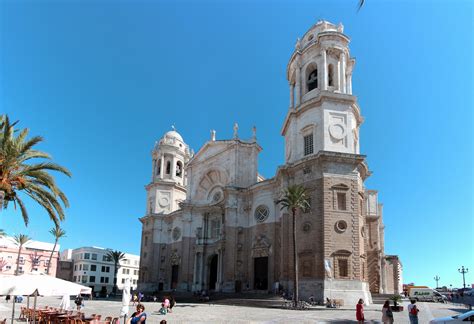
(307, 227)
(261, 213)
(176, 233)
(341, 226)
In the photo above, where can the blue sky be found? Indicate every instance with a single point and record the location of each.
(103, 80)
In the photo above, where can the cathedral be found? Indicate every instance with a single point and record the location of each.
(213, 222)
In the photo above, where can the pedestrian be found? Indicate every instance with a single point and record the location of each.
(413, 312)
(7, 298)
(140, 297)
(360, 311)
(79, 301)
(387, 315)
(134, 299)
(139, 316)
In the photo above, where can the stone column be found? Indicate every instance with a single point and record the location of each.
(325, 71)
(173, 167)
(297, 91)
(195, 274)
(162, 166)
(337, 74)
(349, 83)
(292, 91)
(343, 72)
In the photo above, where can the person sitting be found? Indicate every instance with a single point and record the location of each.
(163, 310)
(330, 303)
(139, 316)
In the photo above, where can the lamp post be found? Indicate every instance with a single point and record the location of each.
(437, 279)
(463, 271)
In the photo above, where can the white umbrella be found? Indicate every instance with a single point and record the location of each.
(36, 284)
(65, 303)
(125, 299)
(44, 285)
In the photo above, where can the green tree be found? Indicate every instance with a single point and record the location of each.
(18, 174)
(57, 232)
(116, 257)
(20, 239)
(294, 199)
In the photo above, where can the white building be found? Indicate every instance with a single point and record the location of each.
(93, 268)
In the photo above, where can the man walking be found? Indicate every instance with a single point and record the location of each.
(413, 312)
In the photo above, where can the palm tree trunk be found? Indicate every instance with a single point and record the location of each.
(51, 256)
(2, 196)
(295, 262)
(18, 260)
(115, 279)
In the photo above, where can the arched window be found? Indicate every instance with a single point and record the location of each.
(158, 167)
(331, 75)
(168, 167)
(312, 80)
(179, 169)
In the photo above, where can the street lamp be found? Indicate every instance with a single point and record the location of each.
(437, 279)
(463, 271)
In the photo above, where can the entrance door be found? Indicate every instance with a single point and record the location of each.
(174, 276)
(260, 273)
(213, 273)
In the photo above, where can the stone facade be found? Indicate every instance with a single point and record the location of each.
(213, 223)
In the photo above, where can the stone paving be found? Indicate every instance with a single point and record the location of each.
(228, 313)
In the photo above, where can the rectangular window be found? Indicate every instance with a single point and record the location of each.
(93, 267)
(123, 271)
(146, 240)
(106, 279)
(85, 267)
(103, 269)
(106, 258)
(308, 144)
(123, 280)
(74, 279)
(87, 256)
(75, 267)
(78, 278)
(92, 279)
(341, 201)
(102, 280)
(84, 279)
(343, 271)
(134, 281)
(80, 267)
(135, 272)
(94, 256)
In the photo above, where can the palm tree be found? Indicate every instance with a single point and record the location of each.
(57, 232)
(20, 239)
(116, 257)
(294, 199)
(2, 232)
(33, 179)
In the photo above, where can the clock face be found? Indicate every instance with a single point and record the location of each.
(338, 131)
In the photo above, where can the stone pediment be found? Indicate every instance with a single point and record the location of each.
(209, 150)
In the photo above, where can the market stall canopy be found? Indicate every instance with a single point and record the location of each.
(27, 284)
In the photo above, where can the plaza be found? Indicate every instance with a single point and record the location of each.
(264, 310)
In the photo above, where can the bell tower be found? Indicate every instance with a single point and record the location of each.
(168, 181)
(323, 114)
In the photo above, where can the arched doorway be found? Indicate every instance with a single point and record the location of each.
(260, 273)
(213, 272)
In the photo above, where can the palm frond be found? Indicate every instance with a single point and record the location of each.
(24, 212)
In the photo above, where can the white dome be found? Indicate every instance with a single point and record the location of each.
(173, 134)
